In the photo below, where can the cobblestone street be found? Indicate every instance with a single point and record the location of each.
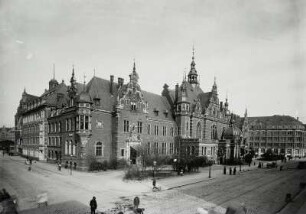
(261, 190)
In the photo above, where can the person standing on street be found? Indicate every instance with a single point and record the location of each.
(93, 205)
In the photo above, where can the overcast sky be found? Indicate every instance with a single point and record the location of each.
(256, 49)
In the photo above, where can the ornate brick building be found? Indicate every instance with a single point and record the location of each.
(107, 119)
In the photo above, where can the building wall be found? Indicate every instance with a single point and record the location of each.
(288, 141)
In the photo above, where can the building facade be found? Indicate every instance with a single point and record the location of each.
(31, 120)
(282, 134)
(108, 119)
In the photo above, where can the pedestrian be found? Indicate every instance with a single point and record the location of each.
(224, 170)
(59, 167)
(234, 171)
(154, 184)
(93, 205)
(230, 171)
(136, 203)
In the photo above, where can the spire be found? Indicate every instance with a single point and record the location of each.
(94, 72)
(246, 112)
(193, 76)
(53, 71)
(24, 90)
(84, 82)
(134, 67)
(134, 76)
(214, 88)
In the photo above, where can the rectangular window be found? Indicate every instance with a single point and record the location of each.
(81, 122)
(126, 126)
(171, 131)
(171, 148)
(156, 148)
(77, 123)
(149, 129)
(122, 152)
(139, 127)
(156, 129)
(164, 130)
(86, 122)
(164, 148)
(149, 148)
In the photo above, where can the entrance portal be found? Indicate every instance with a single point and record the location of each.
(133, 155)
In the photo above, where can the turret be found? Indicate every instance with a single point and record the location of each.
(193, 76)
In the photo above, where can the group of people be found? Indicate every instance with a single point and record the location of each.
(231, 171)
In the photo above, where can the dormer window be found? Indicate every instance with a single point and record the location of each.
(166, 113)
(156, 111)
(133, 106)
(97, 101)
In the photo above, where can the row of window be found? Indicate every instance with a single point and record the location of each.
(277, 133)
(30, 140)
(278, 151)
(126, 128)
(160, 148)
(277, 144)
(33, 117)
(31, 129)
(55, 141)
(280, 139)
(70, 148)
(80, 122)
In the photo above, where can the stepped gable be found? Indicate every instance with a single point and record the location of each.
(158, 103)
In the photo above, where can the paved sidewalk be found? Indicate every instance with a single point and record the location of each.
(201, 176)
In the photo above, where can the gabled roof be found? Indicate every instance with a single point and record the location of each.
(100, 88)
(158, 103)
(274, 120)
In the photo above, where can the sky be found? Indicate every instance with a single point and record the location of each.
(255, 49)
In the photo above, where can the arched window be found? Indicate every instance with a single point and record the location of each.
(199, 130)
(70, 148)
(99, 149)
(74, 149)
(66, 147)
(214, 134)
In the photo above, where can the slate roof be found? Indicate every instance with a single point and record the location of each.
(275, 120)
(100, 88)
(160, 103)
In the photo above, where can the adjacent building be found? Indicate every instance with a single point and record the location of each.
(31, 120)
(281, 133)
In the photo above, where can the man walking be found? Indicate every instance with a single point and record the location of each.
(93, 205)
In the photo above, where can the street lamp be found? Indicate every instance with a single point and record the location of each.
(70, 164)
(154, 168)
(209, 172)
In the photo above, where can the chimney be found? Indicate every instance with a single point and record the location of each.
(176, 91)
(120, 82)
(111, 84)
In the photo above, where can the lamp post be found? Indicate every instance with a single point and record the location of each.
(209, 171)
(70, 164)
(209, 175)
(154, 168)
